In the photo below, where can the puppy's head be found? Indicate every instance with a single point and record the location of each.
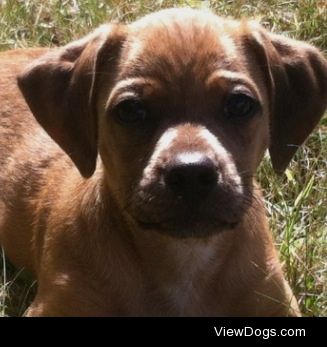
(181, 106)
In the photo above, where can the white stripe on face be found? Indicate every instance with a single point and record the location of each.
(163, 144)
(223, 157)
(189, 157)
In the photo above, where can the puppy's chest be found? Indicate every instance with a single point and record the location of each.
(182, 299)
(180, 280)
(190, 291)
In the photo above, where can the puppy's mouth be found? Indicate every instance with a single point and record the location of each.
(191, 227)
(163, 213)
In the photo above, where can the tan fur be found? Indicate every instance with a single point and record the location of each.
(99, 245)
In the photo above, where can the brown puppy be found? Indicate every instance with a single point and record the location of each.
(181, 106)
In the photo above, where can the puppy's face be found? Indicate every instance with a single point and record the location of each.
(184, 126)
(181, 106)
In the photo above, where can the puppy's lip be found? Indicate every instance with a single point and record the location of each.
(176, 224)
(146, 224)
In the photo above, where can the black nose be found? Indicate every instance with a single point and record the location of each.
(190, 175)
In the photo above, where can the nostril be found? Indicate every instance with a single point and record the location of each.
(189, 178)
(207, 177)
(175, 177)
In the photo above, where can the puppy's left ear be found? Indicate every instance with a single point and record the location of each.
(296, 75)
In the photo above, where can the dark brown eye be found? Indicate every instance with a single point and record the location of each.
(130, 112)
(239, 105)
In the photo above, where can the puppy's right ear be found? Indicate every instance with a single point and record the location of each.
(61, 89)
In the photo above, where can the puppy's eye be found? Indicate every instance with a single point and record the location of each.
(130, 112)
(239, 105)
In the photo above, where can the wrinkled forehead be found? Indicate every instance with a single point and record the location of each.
(176, 43)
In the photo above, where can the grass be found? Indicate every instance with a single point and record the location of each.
(296, 202)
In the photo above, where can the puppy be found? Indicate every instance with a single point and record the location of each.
(127, 182)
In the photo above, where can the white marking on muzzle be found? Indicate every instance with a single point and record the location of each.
(223, 157)
(189, 157)
(163, 144)
(215, 152)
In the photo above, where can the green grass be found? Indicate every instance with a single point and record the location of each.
(296, 202)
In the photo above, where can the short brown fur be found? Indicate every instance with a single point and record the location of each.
(117, 241)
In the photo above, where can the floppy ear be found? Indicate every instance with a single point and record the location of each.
(296, 76)
(60, 89)
(299, 73)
